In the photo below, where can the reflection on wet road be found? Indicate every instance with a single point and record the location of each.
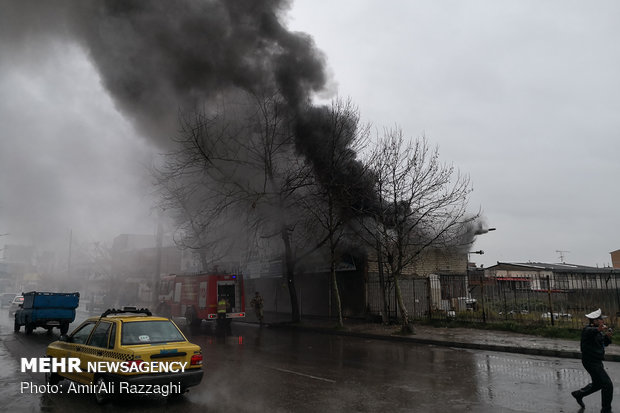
(257, 370)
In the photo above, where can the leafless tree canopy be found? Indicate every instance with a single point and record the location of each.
(421, 204)
(234, 177)
(251, 177)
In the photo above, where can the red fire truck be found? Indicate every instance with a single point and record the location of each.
(195, 296)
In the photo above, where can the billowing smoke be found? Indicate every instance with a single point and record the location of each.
(475, 225)
(156, 58)
(325, 135)
(159, 59)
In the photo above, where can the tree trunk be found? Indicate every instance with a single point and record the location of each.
(290, 275)
(203, 259)
(406, 328)
(384, 314)
(336, 291)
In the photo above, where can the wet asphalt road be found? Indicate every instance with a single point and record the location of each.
(267, 370)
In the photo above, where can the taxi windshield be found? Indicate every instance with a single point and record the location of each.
(149, 332)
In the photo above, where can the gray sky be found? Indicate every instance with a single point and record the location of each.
(68, 159)
(523, 96)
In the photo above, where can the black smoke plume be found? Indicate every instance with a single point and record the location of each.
(157, 58)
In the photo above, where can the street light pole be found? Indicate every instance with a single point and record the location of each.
(484, 318)
(482, 278)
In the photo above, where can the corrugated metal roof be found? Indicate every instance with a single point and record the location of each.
(556, 267)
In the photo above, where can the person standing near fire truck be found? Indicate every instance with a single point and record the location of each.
(222, 308)
(257, 303)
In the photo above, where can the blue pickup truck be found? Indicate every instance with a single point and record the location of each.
(47, 310)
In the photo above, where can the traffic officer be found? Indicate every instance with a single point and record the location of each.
(594, 338)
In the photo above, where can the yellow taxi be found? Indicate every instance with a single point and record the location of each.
(127, 351)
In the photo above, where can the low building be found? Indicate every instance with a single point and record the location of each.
(538, 276)
(562, 289)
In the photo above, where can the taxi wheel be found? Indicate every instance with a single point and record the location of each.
(101, 396)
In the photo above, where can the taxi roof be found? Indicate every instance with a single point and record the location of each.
(129, 317)
(129, 314)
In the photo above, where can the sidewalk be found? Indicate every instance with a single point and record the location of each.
(469, 338)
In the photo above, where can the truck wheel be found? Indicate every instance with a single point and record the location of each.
(64, 327)
(101, 396)
(16, 326)
(29, 327)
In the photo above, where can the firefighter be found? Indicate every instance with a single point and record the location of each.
(257, 303)
(222, 307)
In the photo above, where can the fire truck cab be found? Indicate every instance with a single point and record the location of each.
(195, 296)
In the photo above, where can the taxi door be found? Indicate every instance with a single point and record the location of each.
(71, 347)
(95, 350)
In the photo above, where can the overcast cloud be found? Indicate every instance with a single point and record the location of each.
(523, 96)
(69, 161)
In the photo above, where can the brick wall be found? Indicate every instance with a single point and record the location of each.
(432, 261)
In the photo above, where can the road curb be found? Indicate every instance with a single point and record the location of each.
(446, 343)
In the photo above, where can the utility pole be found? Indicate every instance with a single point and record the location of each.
(482, 278)
(484, 315)
(158, 254)
(69, 258)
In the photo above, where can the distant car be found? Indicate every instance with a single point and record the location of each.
(18, 300)
(6, 299)
(130, 336)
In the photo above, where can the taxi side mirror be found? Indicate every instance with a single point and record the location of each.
(64, 337)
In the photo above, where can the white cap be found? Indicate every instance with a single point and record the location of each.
(595, 314)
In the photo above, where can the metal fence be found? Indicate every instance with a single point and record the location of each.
(558, 299)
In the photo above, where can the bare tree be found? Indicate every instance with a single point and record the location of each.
(332, 198)
(421, 205)
(235, 180)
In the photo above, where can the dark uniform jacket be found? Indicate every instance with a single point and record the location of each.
(593, 343)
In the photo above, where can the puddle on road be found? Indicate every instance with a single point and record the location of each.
(10, 385)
